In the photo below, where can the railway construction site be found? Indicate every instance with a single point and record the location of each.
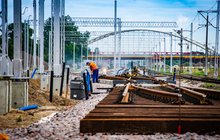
(72, 69)
(123, 107)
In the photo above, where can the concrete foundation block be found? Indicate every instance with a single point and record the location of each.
(105, 81)
(19, 94)
(5, 94)
(56, 85)
(44, 84)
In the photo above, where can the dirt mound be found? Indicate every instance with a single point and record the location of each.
(39, 97)
(17, 118)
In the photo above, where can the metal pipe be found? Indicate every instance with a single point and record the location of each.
(28, 24)
(81, 57)
(52, 31)
(49, 52)
(217, 41)
(115, 28)
(25, 45)
(74, 56)
(159, 56)
(67, 80)
(51, 86)
(206, 45)
(171, 52)
(87, 52)
(191, 45)
(119, 43)
(181, 51)
(62, 78)
(164, 58)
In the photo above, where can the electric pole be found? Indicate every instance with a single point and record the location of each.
(217, 42)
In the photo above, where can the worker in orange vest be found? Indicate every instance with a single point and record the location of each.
(95, 71)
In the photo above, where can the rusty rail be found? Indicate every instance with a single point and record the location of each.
(194, 96)
(210, 93)
(125, 93)
(163, 96)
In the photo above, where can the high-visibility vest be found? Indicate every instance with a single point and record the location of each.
(4, 137)
(93, 66)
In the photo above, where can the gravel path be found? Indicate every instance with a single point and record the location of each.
(65, 125)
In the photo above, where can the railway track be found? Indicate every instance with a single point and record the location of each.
(203, 79)
(191, 77)
(136, 109)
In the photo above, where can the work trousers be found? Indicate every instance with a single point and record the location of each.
(95, 76)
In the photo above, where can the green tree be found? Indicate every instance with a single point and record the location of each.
(11, 39)
(72, 35)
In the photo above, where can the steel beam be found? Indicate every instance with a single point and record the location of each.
(119, 43)
(109, 22)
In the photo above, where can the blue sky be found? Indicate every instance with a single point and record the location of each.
(181, 11)
(145, 10)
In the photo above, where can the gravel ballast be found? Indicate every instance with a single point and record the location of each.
(65, 125)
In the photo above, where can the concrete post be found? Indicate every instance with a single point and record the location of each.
(35, 35)
(56, 36)
(4, 26)
(41, 34)
(17, 63)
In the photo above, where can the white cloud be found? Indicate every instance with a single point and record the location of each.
(183, 21)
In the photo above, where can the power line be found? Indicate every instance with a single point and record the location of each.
(213, 6)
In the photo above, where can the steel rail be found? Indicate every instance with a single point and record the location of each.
(193, 94)
(215, 94)
(175, 97)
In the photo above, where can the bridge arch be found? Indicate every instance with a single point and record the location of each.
(202, 46)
